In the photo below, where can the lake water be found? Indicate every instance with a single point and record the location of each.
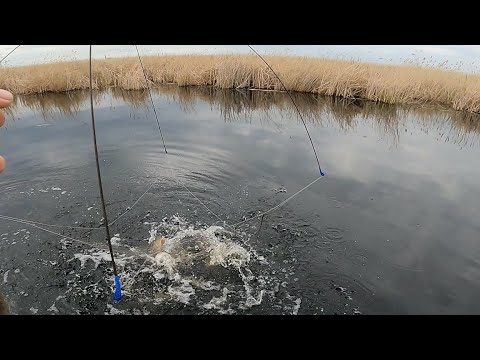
(392, 228)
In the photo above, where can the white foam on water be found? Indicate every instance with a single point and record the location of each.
(254, 301)
(53, 308)
(297, 302)
(211, 242)
(228, 254)
(207, 268)
(205, 285)
(217, 302)
(114, 311)
(167, 262)
(228, 311)
(115, 240)
(356, 311)
(187, 248)
(158, 275)
(147, 269)
(183, 292)
(97, 256)
(153, 233)
(65, 243)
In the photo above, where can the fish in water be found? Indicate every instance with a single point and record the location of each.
(157, 245)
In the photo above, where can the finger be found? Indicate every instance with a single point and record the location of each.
(2, 119)
(6, 98)
(2, 163)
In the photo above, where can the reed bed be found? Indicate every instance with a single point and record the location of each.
(390, 84)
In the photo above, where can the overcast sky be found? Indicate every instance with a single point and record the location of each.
(465, 57)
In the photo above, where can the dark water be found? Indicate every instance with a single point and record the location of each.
(391, 229)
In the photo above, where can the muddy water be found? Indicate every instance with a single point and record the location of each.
(391, 229)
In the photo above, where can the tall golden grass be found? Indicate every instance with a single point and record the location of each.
(391, 84)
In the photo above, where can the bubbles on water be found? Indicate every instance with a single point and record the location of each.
(115, 240)
(297, 302)
(53, 308)
(114, 311)
(216, 303)
(99, 256)
(5, 276)
(197, 269)
(182, 292)
(206, 260)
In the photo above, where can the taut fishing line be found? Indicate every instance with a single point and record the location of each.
(43, 224)
(294, 104)
(151, 98)
(262, 215)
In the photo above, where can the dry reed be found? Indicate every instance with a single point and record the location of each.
(391, 84)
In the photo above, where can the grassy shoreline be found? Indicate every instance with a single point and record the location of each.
(391, 84)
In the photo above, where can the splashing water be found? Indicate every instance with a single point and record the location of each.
(203, 269)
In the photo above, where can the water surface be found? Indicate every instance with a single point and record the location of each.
(391, 229)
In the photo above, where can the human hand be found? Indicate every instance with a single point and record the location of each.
(6, 99)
